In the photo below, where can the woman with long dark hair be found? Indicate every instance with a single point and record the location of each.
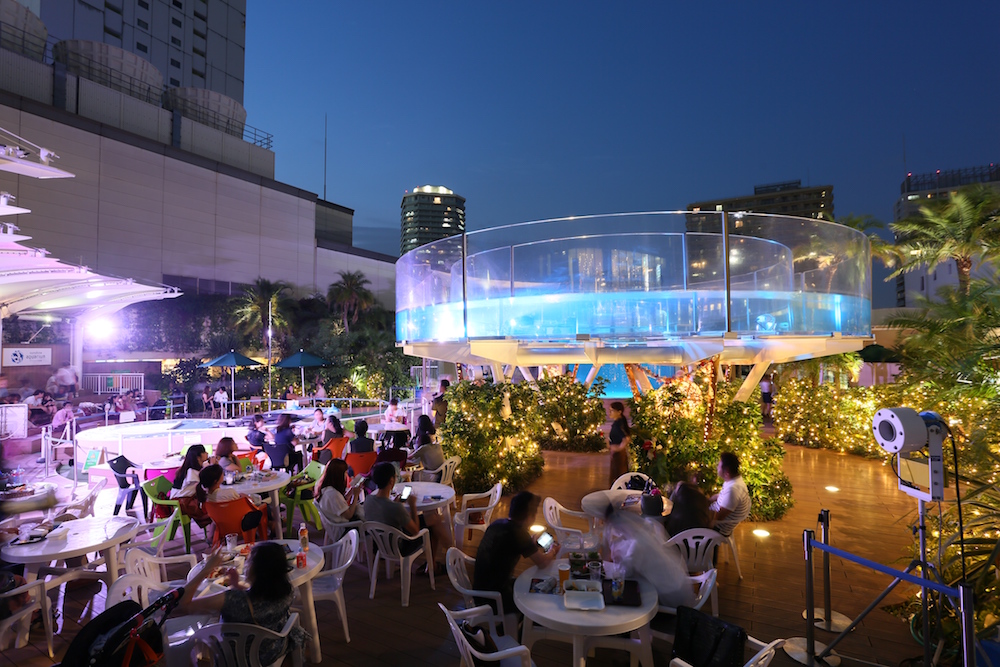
(618, 441)
(333, 499)
(224, 454)
(186, 483)
(283, 452)
(428, 453)
(265, 602)
(334, 429)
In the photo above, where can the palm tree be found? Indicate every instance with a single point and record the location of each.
(351, 296)
(962, 228)
(252, 308)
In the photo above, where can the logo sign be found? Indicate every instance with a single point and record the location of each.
(27, 356)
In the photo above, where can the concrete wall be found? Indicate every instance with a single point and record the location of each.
(382, 274)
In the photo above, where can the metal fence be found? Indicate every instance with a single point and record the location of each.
(113, 383)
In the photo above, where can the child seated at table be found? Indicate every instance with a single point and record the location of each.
(210, 488)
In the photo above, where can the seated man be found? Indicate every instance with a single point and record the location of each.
(382, 508)
(732, 504)
(362, 443)
(505, 543)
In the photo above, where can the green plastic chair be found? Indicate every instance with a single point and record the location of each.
(313, 471)
(153, 489)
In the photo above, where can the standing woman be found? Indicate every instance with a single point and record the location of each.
(618, 441)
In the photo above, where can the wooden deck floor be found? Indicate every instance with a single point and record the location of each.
(869, 517)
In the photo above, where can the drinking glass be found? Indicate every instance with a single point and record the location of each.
(616, 572)
(232, 541)
(563, 575)
(230, 477)
(595, 570)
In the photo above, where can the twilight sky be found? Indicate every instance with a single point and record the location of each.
(545, 109)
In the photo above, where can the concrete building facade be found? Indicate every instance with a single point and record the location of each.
(918, 190)
(787, 198)
(429, 213)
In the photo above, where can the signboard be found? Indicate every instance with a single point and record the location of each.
(27, 356)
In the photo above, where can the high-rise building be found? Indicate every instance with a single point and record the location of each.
(193, 43)
(917, 190)
(788, 198)
(429, 213)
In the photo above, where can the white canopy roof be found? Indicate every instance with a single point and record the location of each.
(34, 285)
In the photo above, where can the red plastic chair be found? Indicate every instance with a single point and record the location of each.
(334, 445)
(361, 462)
(153, 473)
(228, 518)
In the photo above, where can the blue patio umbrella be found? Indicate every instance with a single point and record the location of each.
(231, 360)
(302, 361)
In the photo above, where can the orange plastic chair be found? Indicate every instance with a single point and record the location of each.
(228, 518)
(334, 445)
(361, 462)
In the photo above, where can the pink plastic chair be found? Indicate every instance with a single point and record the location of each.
(153, 473)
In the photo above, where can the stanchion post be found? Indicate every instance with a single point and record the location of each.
(968, 625)
(807, 538)
(824, 522)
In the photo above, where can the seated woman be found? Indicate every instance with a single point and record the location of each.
(210, 489)
(428, 453)
(315, 427)
(224, 454)
(266, 601)
(334, 429)
(283, 452)
(334, 500)
(690, 509)
(186, 482)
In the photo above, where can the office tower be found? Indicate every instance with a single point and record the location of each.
(429, 213)
(788, 198)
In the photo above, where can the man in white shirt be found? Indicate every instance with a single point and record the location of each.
(732, 504)
(221, 399)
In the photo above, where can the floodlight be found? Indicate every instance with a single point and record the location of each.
(100, 329)
(899, 430)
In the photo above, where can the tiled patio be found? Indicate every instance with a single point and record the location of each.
(869, 517)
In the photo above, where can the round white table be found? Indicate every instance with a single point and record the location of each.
(276, 480)
(301, 578)
(430, 495)
(597, 502)
(35, 501)
(82, 536)
(546, 617)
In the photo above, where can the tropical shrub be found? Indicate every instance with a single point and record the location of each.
(571, 415)
(494, 428)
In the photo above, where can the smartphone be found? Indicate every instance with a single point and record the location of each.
(545, 541)
(357, 481)
(407, 490)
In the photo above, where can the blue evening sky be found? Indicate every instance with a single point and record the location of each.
(545, 109)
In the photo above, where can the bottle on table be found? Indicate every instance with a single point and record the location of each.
(303, 537)
(300, 559)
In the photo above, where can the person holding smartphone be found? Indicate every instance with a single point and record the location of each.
(334, 500)
(504, 544)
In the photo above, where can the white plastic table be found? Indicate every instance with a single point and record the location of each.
(546, 617)
(83, 536)
(301, 579)
(597, 502)
(430, 495)
(270, 486)
(29, 503)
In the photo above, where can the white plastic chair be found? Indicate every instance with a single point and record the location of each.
(384, 541)
(732, 548)
(566, 536)
(471, 517)
(623, 480)
(663, 624)
(85, 506)
(154, 543)
(509, 652)
(445, 473)
(134, 587)
(21, 619)
(458, 571)
(329, 584)
(154, 568)
(239, 643)
(762, 658)
(697, 547)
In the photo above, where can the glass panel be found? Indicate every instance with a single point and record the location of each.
(429, 299)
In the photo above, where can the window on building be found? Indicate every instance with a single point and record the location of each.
(174, 82)
(175, 41)
(178, 4)
(139, 46)
(177, 22)
(921, 283)
(175, 63)
(144, 4)
(142, 24)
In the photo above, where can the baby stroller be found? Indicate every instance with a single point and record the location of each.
(125, 634)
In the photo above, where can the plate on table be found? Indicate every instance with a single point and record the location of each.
(34, 539)
(584, 600)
